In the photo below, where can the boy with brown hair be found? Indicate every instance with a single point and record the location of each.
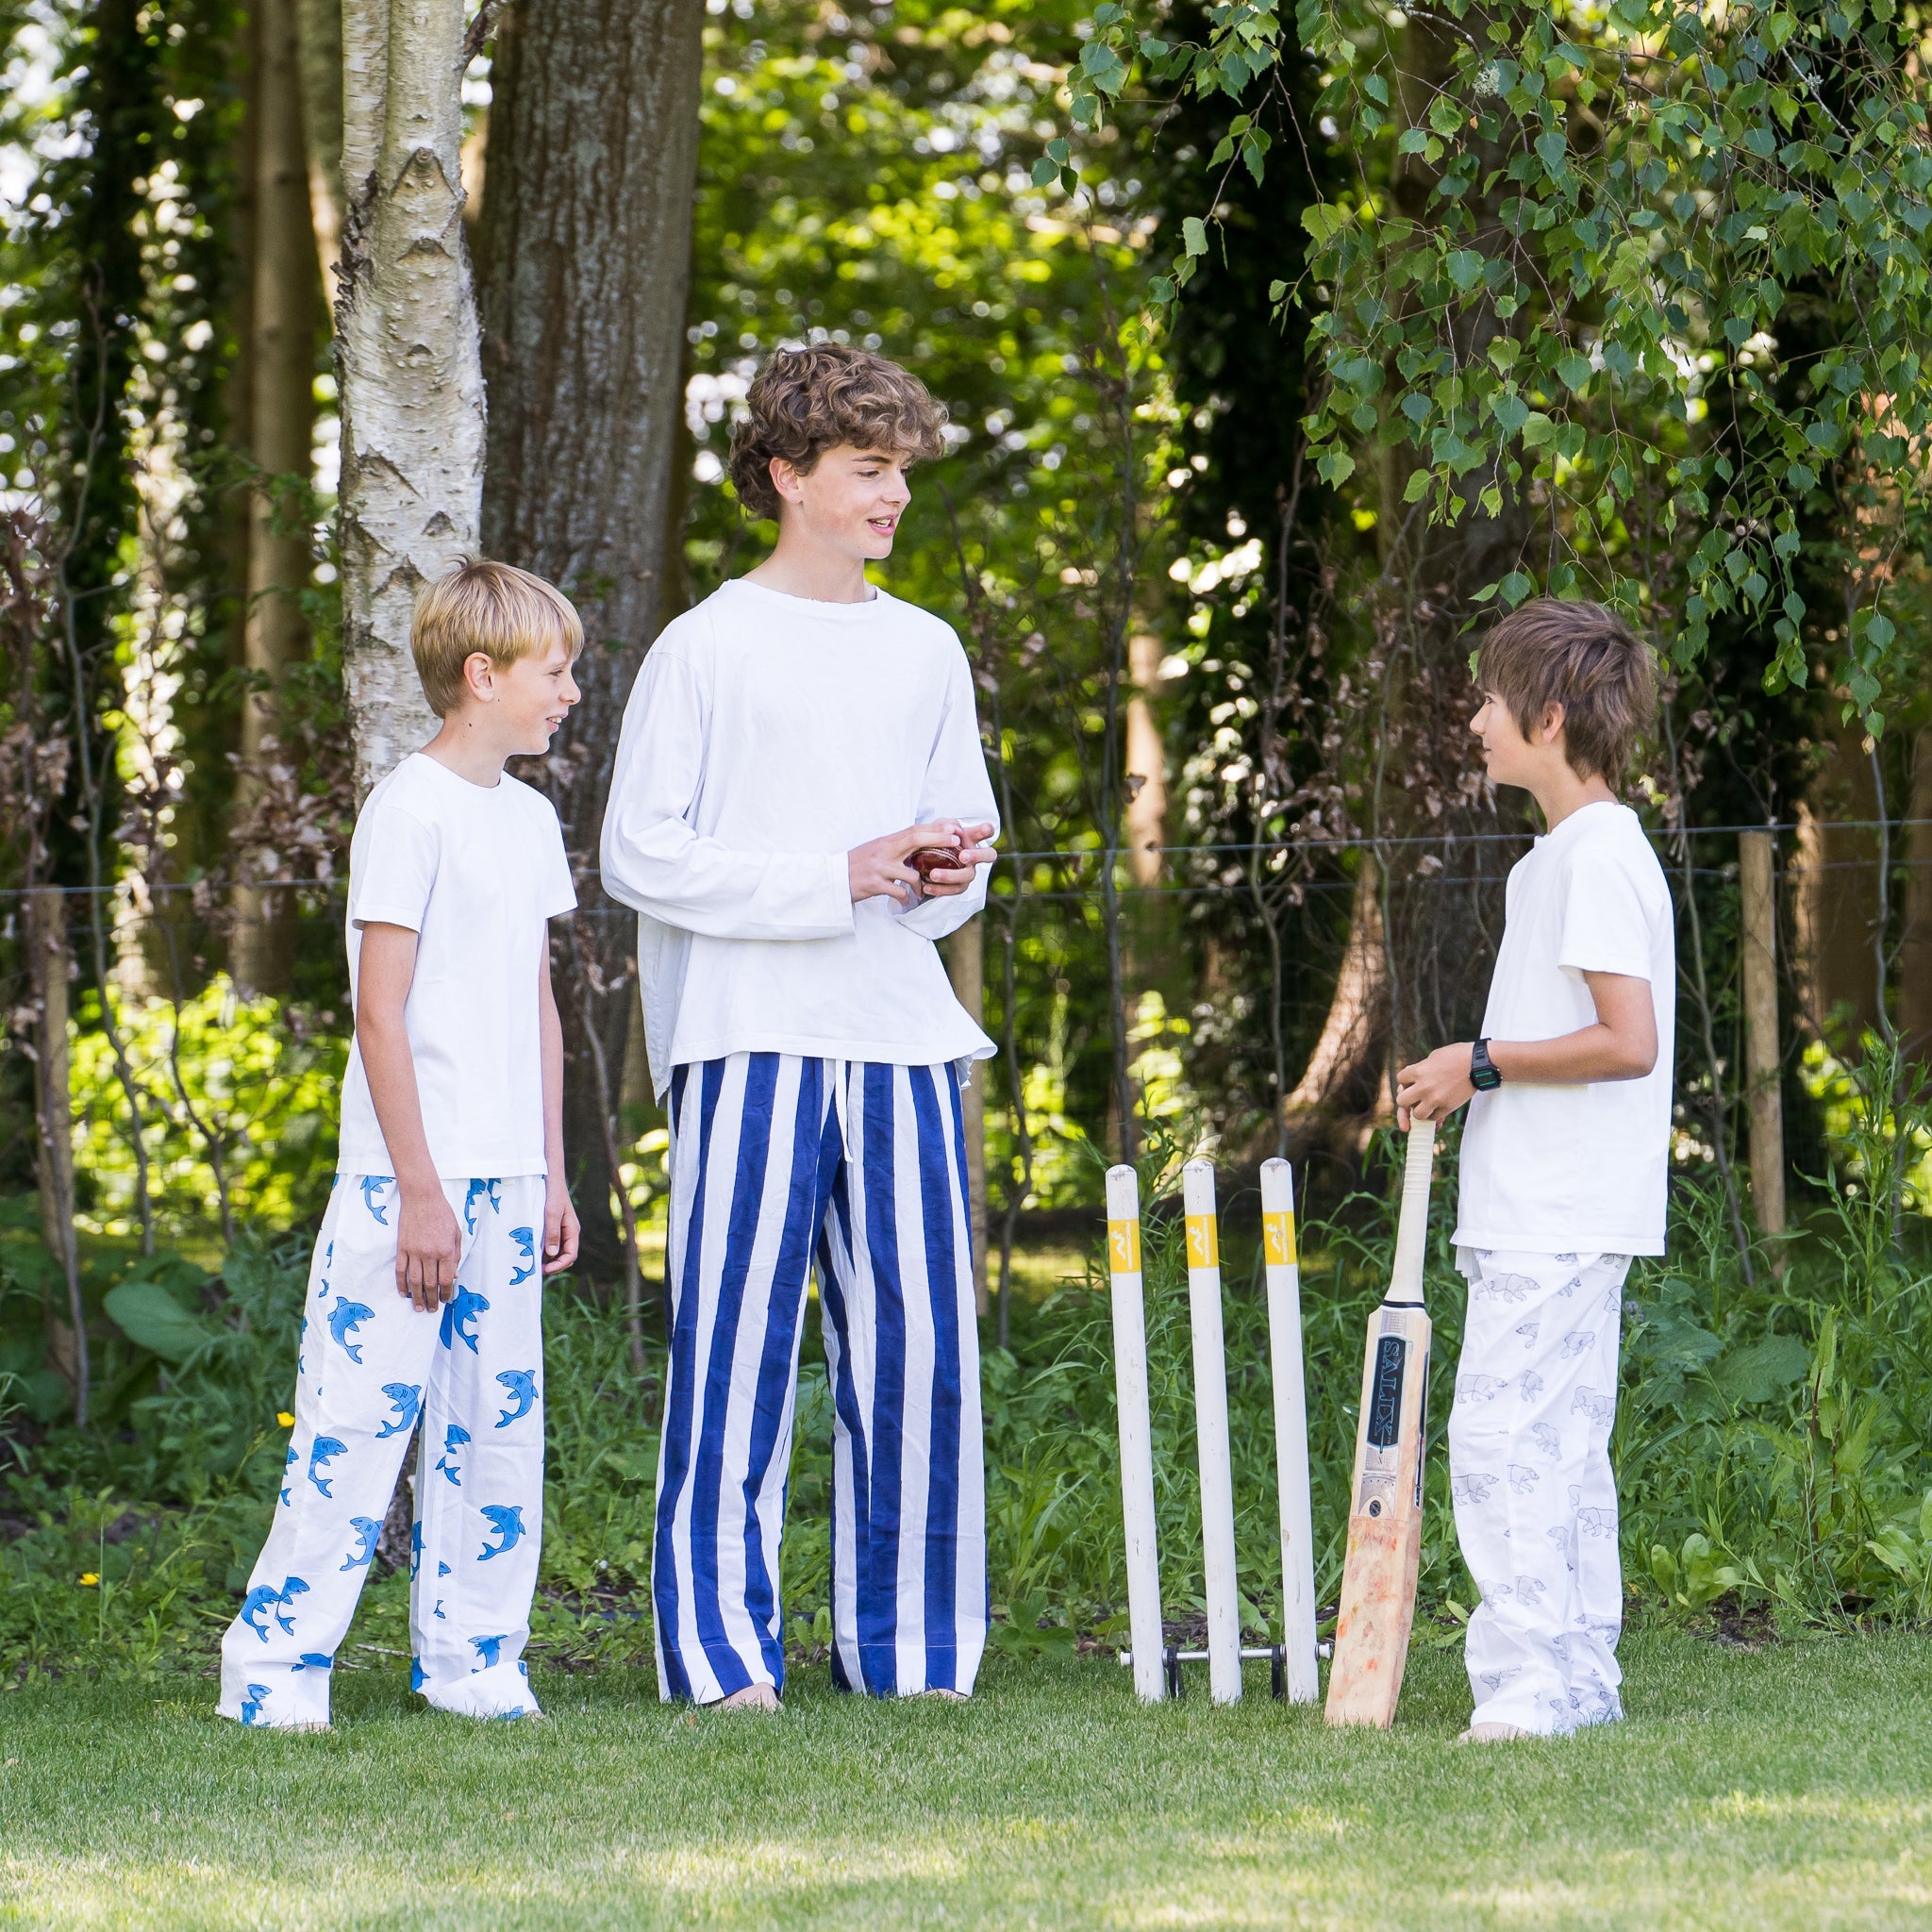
(793, 745)
(425, 1301)
(1565, 1166)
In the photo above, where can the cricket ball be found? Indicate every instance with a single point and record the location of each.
(934, 858)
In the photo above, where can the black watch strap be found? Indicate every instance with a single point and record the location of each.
(1483, 1074)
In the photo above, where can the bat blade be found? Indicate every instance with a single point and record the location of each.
(1384, 1517)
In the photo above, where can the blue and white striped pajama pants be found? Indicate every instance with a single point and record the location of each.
(778, 1162)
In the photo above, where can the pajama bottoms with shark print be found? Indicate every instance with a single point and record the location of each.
(1534, 1496)
(373, 1373)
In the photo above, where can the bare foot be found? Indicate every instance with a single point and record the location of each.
(938, 1691)
(753, 1697)
(1493, 1734)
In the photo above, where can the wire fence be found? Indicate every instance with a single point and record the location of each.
(202, 1078)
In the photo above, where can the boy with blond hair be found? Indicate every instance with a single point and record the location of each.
(791, 745)
(1565, 1167)
(424, 1296)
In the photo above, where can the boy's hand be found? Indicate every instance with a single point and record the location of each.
(1433, 1089)
(429, 1249)
(879, 868)
(948, 883)
(561, 1230)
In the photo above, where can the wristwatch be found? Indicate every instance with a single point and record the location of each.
(1484, 1076)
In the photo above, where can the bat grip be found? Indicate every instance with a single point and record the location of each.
(1412, 1228)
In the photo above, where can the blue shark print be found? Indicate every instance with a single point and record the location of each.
(480, 1191)
(507, 1521)
(265, 1596)
(453, 1438)
(292, 1460)
(293, 1586)
(343, 1320)
(521, 1385)
(525, 1237)
(322, 1452)
(487, 1650)
(418, 1675)
(252, 1703)
(367, 1529)
(406, 1398)
(441, 1568)
(312, 1660)
(329, 1257)
(415, 1548)
(436, 1613)
(459, 1313)
(372, 1185)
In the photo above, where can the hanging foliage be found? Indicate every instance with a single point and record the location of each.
(1563, 270)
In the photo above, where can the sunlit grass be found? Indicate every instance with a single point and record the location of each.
(1788, 1787)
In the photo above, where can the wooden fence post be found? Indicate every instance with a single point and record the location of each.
(966, 968)
(1763, 1055)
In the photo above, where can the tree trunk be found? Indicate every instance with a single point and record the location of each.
(281, 427)
(318, 47)
(47, 959)
(1342, 1071)
(1763, 1039)
(586, 251)
(1439, 939)
(406, 357)
(1915, 951)
(1146, 764)
(1838, 893)
(966, 968)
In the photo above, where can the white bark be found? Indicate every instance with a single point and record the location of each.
(407, 354)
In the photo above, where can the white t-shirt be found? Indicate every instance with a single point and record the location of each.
(1561, 1170)
(767, 736)
(475, 872)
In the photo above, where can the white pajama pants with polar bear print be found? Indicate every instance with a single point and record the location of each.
(370, 1371)
(1536, 1501)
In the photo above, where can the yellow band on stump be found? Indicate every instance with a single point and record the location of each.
(1204, 1250)
(1277, 1237)
(1124, 1247)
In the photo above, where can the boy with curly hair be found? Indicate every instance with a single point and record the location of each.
(1565, 1166)
(793, 745)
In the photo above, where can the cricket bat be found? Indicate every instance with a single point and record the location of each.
(1385, 1514)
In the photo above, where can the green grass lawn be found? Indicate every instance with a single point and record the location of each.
(1790, 1786)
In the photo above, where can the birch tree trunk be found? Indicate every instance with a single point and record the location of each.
(281, 420)
(585, 253)
(406, 357)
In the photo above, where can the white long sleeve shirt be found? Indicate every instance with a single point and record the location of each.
(765, 738)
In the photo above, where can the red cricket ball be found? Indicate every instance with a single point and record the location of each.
(935, 858)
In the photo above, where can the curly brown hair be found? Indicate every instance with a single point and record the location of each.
(1560, 651)
(804, 402)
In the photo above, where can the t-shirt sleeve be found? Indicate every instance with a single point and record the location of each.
(1606, 928)
(558, 890)
(394, 869)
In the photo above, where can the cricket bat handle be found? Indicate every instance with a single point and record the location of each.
(1412, 1227)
